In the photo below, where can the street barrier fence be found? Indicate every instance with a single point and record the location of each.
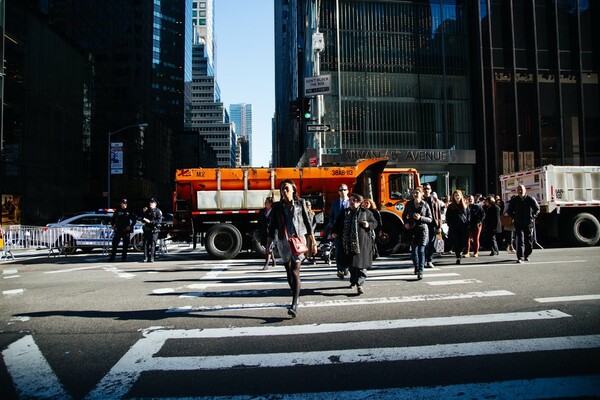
(59, 240)
(56, 240)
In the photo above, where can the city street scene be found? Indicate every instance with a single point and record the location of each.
(300, 199)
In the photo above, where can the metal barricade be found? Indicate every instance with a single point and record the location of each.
(56, 240)
(22, 238)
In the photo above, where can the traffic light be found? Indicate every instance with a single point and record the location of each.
(295, 109)
(306, 108)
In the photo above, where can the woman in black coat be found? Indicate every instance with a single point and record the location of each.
(354, 227)
(457, 218)
(491, 224)
(417, 215)
(288, 217)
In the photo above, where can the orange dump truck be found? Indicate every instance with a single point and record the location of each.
(221, 205)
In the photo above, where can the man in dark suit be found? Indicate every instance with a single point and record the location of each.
(337, 208)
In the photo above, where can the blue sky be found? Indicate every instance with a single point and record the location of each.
(245, 65)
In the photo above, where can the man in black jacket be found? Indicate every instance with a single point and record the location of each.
(152, 218)
(524, 209)
(122, 223)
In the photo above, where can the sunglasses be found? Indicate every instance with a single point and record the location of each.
(342, 190)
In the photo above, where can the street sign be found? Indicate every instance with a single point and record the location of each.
(318, 128)
(332, 151)
(316, 85)
(116, 158)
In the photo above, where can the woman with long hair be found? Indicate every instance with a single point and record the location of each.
(290, 217)
(458, 217)
(417, 217)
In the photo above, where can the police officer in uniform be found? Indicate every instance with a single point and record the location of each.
(152, 217)
(122, 223)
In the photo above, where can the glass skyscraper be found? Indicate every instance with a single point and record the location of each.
(461, 90)
(241, 115)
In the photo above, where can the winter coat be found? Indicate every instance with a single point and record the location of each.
(477, 215)
(458, 224)
(419, 228)
(263, 225)
(299, 223)
(524, 211)
(436, 212)
(123, 219)
(365, 241)
(491, 222)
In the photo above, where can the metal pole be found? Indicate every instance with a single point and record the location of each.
(109, 173)
(339, 70)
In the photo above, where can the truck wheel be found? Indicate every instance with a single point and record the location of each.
(585, 230)
(389, 240)
(223, 241)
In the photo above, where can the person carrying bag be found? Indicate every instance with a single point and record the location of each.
(291, 222)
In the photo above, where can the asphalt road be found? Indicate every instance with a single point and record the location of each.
(187, 326)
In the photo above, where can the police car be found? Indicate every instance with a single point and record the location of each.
(86, 231)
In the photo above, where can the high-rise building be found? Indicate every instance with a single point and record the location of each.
(208, 131)
(241, 115)
(137, 63)
(203, 18)
(461, 90)
(45, 137)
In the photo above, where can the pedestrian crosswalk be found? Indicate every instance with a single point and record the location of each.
(234, 289)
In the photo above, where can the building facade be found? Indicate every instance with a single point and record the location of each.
(429, 84)
(136, 65)
(210, 126)
(45, 125)
(241, 116)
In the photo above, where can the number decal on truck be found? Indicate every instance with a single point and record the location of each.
(341, 172)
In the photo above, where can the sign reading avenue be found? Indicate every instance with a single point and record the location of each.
(318, 128)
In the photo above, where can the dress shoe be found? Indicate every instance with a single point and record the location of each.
(526, 258)
(458, 261)
(293, 311)
(340, 274)
(359, 289)
(493, 253)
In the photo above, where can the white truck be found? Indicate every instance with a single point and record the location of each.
(569, 199)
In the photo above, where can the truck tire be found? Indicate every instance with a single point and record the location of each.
(585, 230)
(223, 241)
(388, 241)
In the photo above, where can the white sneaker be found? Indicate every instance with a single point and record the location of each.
(429, 264)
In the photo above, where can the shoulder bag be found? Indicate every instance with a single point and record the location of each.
(297, 243)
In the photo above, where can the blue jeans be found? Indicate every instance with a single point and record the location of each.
(418, 257)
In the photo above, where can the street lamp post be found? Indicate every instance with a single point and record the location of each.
(110, 134)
